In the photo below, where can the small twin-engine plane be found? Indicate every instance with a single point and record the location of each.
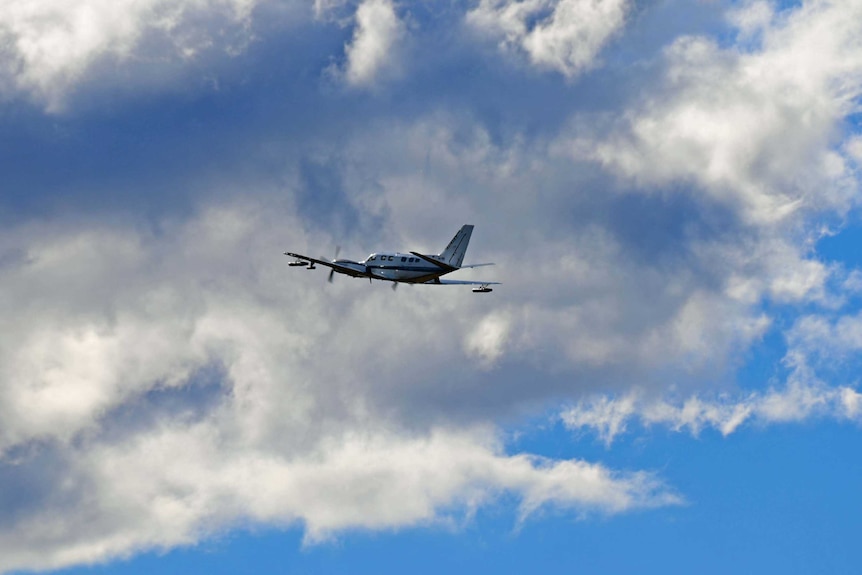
(412, 267)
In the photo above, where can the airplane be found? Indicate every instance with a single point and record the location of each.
(412, 267)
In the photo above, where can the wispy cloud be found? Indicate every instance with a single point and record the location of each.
(374, 47)
(488, 340)
(609, 416)
(720, 120)
(561, 35)
(52, 46)
(179, 483)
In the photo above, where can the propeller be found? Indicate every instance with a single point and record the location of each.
(332, 270)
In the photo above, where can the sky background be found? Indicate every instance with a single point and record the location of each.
(666, 380)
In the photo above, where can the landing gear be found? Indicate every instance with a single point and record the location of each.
(482, 289)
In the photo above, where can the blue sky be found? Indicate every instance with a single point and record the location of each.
(665, 381)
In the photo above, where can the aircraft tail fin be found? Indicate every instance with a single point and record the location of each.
(454, 252)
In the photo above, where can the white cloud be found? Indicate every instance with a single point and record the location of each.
(818, 339)
(561, 35)
(488, 340)
(608, 416)
(185, 380)
(754, 129)
(99, 322)
(815, 344)
(594, 300)
(373, 48)
(50, 46)
(854, 149)
(753, 17)
(179, 483)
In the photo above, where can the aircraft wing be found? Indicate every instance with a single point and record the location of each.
(321, 262)
(461, 283)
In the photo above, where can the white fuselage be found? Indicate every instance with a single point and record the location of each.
(396, 266)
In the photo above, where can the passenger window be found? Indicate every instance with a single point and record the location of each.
(403, 259)
(390, 258)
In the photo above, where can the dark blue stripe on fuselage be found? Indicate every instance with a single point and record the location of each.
(427, 270)
(416, 274)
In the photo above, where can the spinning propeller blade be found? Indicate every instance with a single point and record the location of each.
(332, 271)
